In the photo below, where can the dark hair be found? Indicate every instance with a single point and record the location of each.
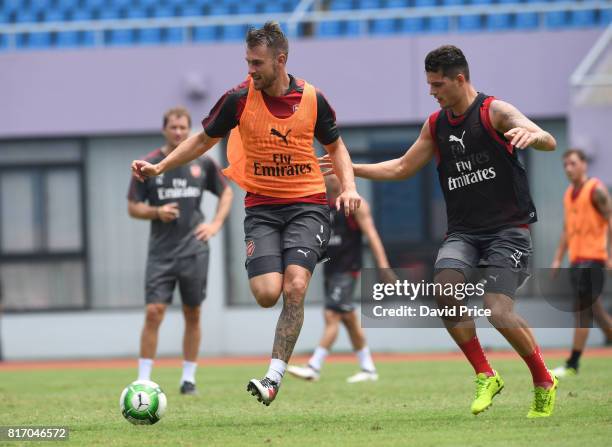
(176, 111)
(449, 59)
(271, 35)
(579, 153)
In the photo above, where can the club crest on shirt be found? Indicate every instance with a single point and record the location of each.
(195, 170)
(296, 107)
(250, 248)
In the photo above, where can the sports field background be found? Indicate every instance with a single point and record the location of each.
(420, 400)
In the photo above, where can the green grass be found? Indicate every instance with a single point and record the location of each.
(416, 403)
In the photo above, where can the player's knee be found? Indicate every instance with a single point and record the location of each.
(155, 314)
(294, 289)
(498, 313)
(192, 315)
(267, 299)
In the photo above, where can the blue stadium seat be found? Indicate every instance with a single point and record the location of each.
(67, 39)
(3, 42)
(329, 29)
(190, 11)
(87, 38)
(605, 17)
(582, 19)
(4, 17)
(352, 28)
(234, 32)
(412, 25)
(205, 33)
(424, 3)
(80, 15)
(246, 8)
(136, 13)
(453, 2)
(438, 24)
(153, 4)
(25, 16)
(340, 5)
(173, 35)
(526, 20)
(272, 7)
(38, 40)
(125, 4)
(109, 13)
(54, 15)
(499, 22)
(218, 9)
(119, 37)
(383, 26)
(66, 5)
(163, 11)
(556, 19)
(39, 5)
(149, 36)
(398, 3)
(94, 4)
(470, 23)
(368, 4)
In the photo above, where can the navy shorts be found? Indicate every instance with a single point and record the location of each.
(190, 272)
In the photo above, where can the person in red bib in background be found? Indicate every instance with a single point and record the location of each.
(276, 117)
(587, 239)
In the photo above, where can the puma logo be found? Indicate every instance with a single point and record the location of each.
(455, 139)
(320, 240)
(305, 253)
(493, 277)
(276, 133)
(140, 402)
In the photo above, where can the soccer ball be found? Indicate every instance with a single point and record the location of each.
(143, 402)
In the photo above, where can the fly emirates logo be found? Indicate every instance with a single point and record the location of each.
(179, 190)
(467, 166)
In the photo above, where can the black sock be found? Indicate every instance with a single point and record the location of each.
(572, 362)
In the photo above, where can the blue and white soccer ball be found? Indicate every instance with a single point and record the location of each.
(143, 402)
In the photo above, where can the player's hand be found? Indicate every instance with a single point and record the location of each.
(521, 138)
(554, 268)
(141, 170)
(609, 263)
(350, 199)
(325, 163)
(205, 231)
(168, 212)
(387, 275)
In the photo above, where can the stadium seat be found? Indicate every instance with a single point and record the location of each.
(205, 33)
(329, 29)
(54, 15)
(526, 20)
(383, 26)
(173, 35)
(119, 37)
(352, 28)
(234, 32)
(369, 4)
(438, 25)
(605, 17)
(453, 2)
(499, 22)
(66, 5)
(556, 19)
(340, 5)
(470, 23)
(162, 11)
(136, 13)
(424, 3)
(582, 19)
(109, 14)
(4, 17)
(149, 36)
(272, 7)
(3, 42)
(80, 15)
(412, 25)
(246, 8)
(38, 40)
(25, 16)
(87, 38)
(218, 9)
(190, 11)
(67, 39)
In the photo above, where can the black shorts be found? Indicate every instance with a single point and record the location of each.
(279, 235)
(190, 272)
(339, 290)
(501, 258)
(588, 279)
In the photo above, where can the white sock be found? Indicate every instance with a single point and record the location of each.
(365, 360)
(276, 370)
(189, 370)
(144, 369)
(318, 357)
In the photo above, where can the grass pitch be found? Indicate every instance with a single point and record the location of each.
(414, 403)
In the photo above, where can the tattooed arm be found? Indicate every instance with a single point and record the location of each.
(518, 129)
(602, 202)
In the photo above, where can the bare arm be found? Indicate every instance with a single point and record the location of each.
(343, 168)
(205, 231)
(190, 149)
(603, 204)
(419, 154)
(141, 210)
(518, 129)
(366, 223)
